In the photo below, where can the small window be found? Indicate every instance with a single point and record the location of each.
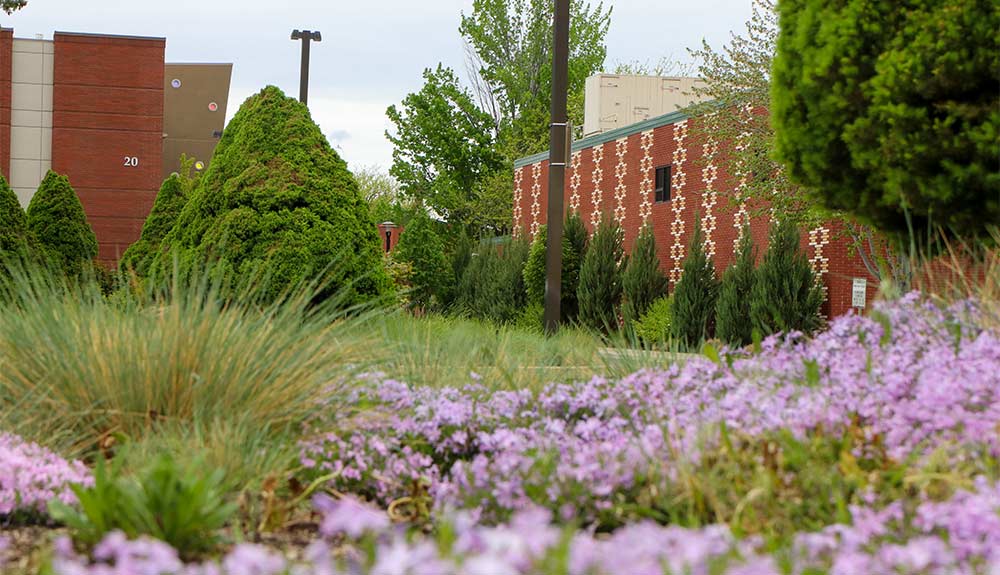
(662, 184)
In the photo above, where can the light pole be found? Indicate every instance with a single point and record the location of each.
(305, 36)
(558, 154)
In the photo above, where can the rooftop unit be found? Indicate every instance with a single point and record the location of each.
(614, 101)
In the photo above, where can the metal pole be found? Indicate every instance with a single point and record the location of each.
(557, 166)
(304, 73)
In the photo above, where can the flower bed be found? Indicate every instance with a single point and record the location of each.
(31, 476)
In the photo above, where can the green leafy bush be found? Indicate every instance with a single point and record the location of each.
(534, 274)
(695, 295)
(642, 280)
(653, 327)
(58, 224)
(890, 111)
(785, 294)
(732, 311)
(13, 226)
(600, 289)
(178, 505)
(169, 202)
(422, 248)
(492, 286)
(279, 201)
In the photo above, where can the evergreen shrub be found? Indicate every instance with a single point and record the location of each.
(600, 289)
(13, 225)
(56, 221)
(785, 295)
(695, 295)
(422, 248)
(732, 311)
(642, 281)
(492, 286)
(653, 327)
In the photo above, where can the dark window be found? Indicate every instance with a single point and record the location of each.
(662, 184)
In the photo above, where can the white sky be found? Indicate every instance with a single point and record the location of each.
(372, 53)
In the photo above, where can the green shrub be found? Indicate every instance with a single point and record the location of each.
(180, 506)
(785, 294)
(13, 225)
(732, 311)
(642, 280)
(576, 234)
(695, 295)
(492, 286)
(423, 250)
(600, 287)
(459, 253)
(531, 319)
(169, 202)
(58, 224)
(653, 327)
(534, 274)
(889, 110)
(278, 200)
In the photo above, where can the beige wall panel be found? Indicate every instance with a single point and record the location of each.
(26, 143)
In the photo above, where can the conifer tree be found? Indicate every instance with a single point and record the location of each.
(576, 234)
(58, 224)
(642, 280)
(534, 272)
(169, 202)
(732, 312)
(785, 296)
(694, 296)
(13, 226)
(421, 247)
(600, 289)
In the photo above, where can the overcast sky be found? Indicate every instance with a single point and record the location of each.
(372, 53)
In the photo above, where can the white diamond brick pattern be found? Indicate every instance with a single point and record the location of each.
(710, 197)
(677, 203)
(646, 169)
(574, 181)
(819, 238)
(518, 195)
(536, 192)
(598, 176)
(621, 169)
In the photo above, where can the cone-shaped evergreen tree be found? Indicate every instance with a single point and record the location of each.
(785, 294)
(642, 280)
(277, 199)
(732, 312)
(600, 289)
(534, 274)
(59, 226)
(169, 202)
(422, 248)
(694, 296)
(13, 226)
(576, 234)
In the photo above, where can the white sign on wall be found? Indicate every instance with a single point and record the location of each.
(859, 292)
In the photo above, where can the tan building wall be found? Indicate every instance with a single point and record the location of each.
(613, 101)
(195, 97)
(32, 64)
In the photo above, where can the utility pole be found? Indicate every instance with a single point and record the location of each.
(306, 36)
(559, 138)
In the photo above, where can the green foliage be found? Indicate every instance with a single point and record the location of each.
(653, 327)
(13, 225)
(422, 248)
(534, 274)
(169, 202)
(576, 234)
(169, 502)
(695, 295)
(11, 6)
(893, 114)
(277, 200)
(492, 285)
(732, 311)
(444, 146)
(459, 253)
(57, 222)
(600, 289)
(785, 295)
(642, 281)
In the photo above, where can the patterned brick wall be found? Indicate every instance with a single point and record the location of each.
(615, 179)
(107, 134)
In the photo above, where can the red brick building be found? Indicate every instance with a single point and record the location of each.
(90, 107)
(655, 172)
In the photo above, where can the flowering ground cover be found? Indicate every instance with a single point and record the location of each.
(870, 448)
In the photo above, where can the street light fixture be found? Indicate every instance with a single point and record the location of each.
(306, 36)
(559, 148)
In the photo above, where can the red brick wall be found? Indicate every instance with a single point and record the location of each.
(625, 181)
(394, 233)
(6, 60)
(108, 106)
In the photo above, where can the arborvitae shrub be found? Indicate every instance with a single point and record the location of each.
(534, 274)
(600, 287)
(459, 256)
(732, 312)
(277, 200)
(653, 327)
(169, 202)
(642, 280)
(421, 247)
(785, 294)
(695, 295)
(58, 224)
(576, 234)
(13, 226)
(493, 283)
